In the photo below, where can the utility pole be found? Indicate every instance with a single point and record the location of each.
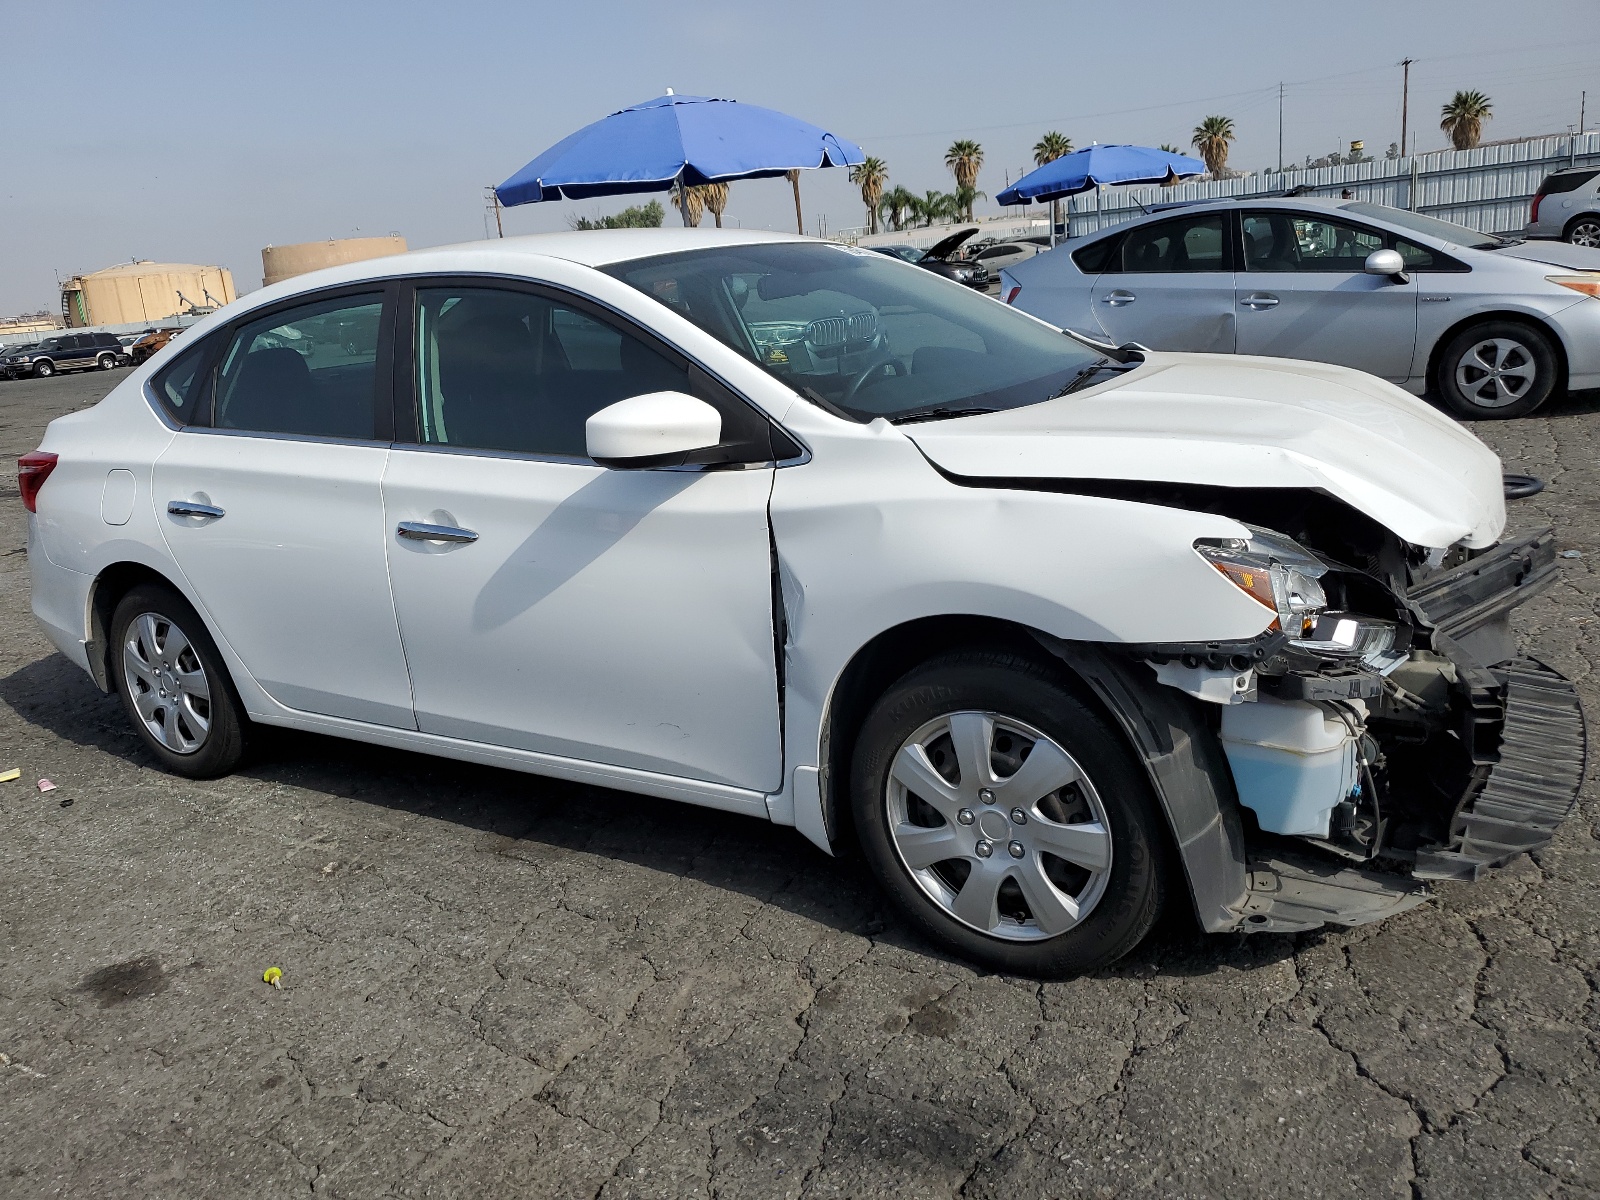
(1405, 101)
(1280, 127)
(1583, 105)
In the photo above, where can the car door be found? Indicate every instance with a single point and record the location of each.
(1304, 293)
(271, 504)
(546, 603)
(1169, 286)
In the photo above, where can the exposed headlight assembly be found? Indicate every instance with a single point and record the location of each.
(1277, 572)
(1286, 578)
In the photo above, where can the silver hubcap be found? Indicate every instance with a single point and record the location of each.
(999, 826)
(1587, 234)
(167, 683)
(1496, 372)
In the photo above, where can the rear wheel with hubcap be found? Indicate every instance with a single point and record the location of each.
(1584, 230)
(1497, 369)
(173, 684)
(1006, 818)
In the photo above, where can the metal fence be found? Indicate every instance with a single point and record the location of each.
(1488, 189)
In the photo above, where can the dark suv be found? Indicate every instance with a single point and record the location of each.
(64, 352)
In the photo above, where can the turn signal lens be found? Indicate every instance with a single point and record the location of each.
(1588, 284)
(32, 470)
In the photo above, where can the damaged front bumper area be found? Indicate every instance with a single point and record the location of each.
(1360, 780)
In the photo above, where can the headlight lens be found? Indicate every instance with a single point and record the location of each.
(1275, 571)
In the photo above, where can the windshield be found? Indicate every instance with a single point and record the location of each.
(867, 335)
(1445, 231)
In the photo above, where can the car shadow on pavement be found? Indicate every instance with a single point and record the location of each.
(769, 863)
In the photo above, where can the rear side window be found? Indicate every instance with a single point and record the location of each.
(310, 370)
(1567, 181)
(1093, 258)
(180, 387)
(1187, 244)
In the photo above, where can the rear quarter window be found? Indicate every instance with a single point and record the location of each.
(1569, 181)
(1093, 258)
(182, 386)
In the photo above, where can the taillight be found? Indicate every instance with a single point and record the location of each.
(1011, 296)
(1533, 215)
(32, 470)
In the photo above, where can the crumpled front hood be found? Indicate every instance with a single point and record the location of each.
(1235, 421)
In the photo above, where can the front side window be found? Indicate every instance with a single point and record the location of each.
(861, 333)
(1188, 244)
(310, 370)
(1290, 241)
(509, 370)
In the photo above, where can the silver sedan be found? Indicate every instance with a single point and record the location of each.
(1495, 326)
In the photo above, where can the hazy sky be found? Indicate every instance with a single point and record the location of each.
(203, 132)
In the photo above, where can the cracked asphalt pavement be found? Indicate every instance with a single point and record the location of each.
(496, 985)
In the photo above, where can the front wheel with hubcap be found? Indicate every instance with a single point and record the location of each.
(44, 370)
(1497, 369)
(1006, 818)
(107, 361)
(173, 684)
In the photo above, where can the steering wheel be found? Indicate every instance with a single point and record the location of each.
(887, 360)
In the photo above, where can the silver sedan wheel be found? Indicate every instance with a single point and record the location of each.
(999, 826)
(1496, 372)
(167, 683)
(1585, 233)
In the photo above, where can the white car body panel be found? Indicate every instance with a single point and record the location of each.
(668, 573)
(1234, 422)
(293, 578)
(869, 534)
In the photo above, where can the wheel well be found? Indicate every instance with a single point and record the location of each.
(884, 659)
(1516, 318)
(112, 584)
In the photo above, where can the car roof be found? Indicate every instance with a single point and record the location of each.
(602, 247)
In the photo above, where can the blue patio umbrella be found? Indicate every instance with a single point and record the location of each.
(676, 141)
(1097, 166)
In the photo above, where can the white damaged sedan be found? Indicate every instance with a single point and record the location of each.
(1057, 633)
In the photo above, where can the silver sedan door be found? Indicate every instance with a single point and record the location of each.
(1304, 293)
(1169, 286)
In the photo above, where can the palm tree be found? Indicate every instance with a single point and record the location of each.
(716, 196)
(896, 206)
(1047, 149)
(1464, 117)
(1211, 138)
(696, 199)
(934, 206)
(964, 158)
(962, 201)
(1169, 148)
(870, 174)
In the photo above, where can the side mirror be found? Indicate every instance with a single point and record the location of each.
(1387, 262)
(659, 429)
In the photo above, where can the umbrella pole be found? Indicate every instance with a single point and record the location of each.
(799, 220)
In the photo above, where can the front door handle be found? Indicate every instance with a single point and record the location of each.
(1258, 300)
(421, 531)
(193, 508)
(1118, 298)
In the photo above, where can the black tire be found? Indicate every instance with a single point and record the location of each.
(224, 743)
(107, 361)
(1583, 230)
(1035, 694)
(1465, 374)
(45, 369)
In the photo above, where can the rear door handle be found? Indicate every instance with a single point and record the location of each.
(193, 508)
(421, 531)
(1258, 300)
(1118, 298)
